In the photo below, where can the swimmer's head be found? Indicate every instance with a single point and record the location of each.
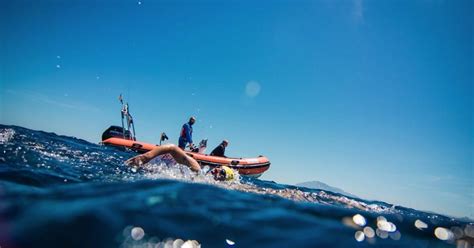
(223, 173)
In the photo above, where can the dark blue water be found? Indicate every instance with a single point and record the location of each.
(58, 191)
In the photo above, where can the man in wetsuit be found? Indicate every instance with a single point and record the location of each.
(186, 135)
(219, 151)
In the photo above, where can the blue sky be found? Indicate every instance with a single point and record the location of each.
(374, 97)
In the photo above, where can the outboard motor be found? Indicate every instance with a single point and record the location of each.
(202, 146)
(116, 132)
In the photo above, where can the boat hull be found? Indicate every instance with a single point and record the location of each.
(251, 167)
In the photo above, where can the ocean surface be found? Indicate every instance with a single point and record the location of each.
(59, 191)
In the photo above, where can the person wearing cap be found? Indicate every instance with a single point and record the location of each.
(219, 151)
(223, 173)
(186, 135)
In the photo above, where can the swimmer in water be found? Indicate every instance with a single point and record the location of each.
(220, 173)
(179, 155)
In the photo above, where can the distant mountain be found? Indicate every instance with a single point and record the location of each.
(323, 186)
(466, 219)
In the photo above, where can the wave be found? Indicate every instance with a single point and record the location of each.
(62, 191)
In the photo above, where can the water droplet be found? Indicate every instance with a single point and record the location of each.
(359, 220)
(58, 66)
(126, 231)
(469, 230)
(191, 244)
(381, 218)
(369, 232)
(457, 231)
(230, 242)
(420, 224)
(359, 236)
(152, 200)
(386, 226)
(168, 243)
(443, 233)
(137, 233)
(382, 234)
(395, 235)
(178, 243)
(462, 244)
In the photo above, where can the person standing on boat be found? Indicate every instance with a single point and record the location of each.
(219, 151)
(186, 135)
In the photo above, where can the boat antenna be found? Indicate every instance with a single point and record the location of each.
(130, 123)
(125, 114)
(122, 114)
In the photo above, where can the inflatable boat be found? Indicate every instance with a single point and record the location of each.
(116, 136)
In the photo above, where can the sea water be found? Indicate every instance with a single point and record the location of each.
(59, 191)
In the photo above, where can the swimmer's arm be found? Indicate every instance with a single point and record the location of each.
(178, 155)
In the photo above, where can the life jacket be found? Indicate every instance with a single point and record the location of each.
(183, 131)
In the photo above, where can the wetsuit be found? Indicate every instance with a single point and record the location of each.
(218, 151)
(186, 135)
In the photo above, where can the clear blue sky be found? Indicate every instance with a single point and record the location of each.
(374, 97)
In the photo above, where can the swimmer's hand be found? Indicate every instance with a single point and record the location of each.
(137, 161)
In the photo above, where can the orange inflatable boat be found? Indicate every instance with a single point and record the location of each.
(252, 167)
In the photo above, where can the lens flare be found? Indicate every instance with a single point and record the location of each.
(381, 234)
(137, 233)
(386, 226)
(359, 236)
(395, 235)
(369, 232)
(420, 224)
(359, 220)
(252, 89)
(469, 230)
(443, 233)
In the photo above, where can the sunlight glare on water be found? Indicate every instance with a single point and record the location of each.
(443, 233)
(6, 135)
(137, 233)
(420, 224)
(469, 230)
(94, 171)
(359, 220)
(369, 232)
(359, 236)
(381, 234)
(395, 235)
(134, 237)
(385, 225)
